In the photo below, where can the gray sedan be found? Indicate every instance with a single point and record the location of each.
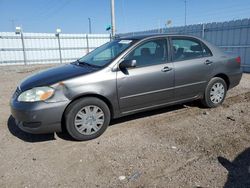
(122, 77)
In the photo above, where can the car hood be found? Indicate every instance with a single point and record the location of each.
(54, 75)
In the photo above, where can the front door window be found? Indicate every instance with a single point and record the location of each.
(149, 53)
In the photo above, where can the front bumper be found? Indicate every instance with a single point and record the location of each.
(38, 117)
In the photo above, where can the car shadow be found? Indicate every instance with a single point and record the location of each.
(238, 170)
(154, 112)
(27, 137)
(65, 136)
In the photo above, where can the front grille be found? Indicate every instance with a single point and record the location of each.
(17, 93)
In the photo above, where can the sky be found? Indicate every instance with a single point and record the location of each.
(131, 15)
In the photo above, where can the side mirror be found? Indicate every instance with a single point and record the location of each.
(127, 64)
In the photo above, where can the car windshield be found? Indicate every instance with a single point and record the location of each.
(104, 54)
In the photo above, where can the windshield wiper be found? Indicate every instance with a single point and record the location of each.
(80, 63)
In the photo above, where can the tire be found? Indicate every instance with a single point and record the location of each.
(214, 97)
(87, 118)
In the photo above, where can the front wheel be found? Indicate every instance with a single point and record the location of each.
(87, 118)
(215, 93)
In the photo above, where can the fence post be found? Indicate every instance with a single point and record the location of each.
(203, 31)
(59, 46)
(24, 52)
(87, 41)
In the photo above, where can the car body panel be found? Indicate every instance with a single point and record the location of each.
(144, 86)
(38, 117)
(191, 77)
(55, 75)
(101, 83)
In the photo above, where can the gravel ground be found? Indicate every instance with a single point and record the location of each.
(179, 146)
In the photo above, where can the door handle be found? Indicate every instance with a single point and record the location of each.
(208, 62)
(166, 69)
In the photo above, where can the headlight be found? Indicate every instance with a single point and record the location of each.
(36, 94)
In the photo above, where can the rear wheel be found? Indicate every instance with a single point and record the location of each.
(215, 93)
(87, 118)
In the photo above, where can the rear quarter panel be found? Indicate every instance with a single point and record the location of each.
(226, 64)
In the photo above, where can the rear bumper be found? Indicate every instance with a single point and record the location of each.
(38, 117)
(234, 79)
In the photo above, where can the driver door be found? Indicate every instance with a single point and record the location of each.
(151, 82)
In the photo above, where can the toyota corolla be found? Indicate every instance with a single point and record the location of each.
(123, 77)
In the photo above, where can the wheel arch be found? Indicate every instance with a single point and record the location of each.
(225, 78)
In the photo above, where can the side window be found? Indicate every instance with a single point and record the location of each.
(186, 49)
(149, 53)
(206, 51)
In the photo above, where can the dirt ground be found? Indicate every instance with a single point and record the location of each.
(181, 146)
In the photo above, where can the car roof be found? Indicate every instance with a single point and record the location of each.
(145, 36)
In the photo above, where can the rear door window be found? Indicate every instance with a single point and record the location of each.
(184, 49)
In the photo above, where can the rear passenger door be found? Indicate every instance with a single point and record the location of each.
(192, 64)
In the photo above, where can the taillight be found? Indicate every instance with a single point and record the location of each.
(238, 60)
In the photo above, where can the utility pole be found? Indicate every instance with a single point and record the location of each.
(185, 1)
(112, 18)
(90, 29)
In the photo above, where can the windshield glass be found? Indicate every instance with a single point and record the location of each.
(104, 54)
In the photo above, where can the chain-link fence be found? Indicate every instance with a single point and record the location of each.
(39, 48)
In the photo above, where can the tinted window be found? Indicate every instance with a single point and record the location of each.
(186, 49)
(150, 53)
